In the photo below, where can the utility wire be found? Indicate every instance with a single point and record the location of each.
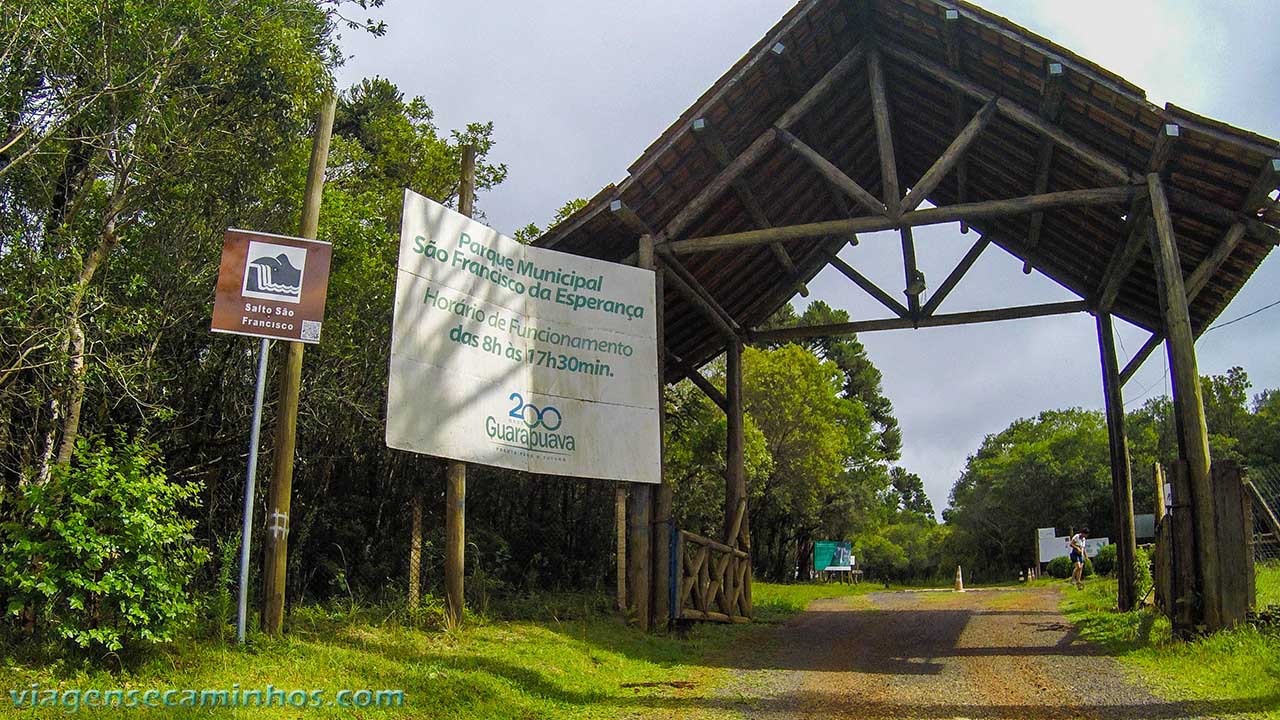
(1242, 317)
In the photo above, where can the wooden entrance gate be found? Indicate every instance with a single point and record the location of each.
(712, 580)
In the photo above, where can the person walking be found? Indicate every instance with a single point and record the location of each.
(1078, 556)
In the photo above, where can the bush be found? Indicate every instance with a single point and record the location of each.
(99, 555)
(1105, 561)
(1061, 567)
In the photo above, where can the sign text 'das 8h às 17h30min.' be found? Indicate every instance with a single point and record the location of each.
(520, 357)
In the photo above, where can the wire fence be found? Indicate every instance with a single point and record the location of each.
(1266, 541)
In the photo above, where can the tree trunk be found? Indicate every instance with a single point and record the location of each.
(73, 393)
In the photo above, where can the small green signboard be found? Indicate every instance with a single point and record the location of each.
(832, 555)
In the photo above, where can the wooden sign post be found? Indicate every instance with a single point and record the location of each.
(275, 562)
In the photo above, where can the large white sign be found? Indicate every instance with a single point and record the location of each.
(520, 357)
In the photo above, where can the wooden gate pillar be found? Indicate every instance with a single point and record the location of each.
(1188, 403)
(662, 494)
(735, 458)
(1121, 479)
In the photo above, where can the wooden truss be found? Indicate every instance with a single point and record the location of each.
(712, 579)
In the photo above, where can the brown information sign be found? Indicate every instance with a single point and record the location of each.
(272, 286)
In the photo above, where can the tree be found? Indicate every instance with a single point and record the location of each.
(862, 380)
(112, 111)
(1049, 471)
(816, 437)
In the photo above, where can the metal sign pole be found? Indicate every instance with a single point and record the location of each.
(247, 529)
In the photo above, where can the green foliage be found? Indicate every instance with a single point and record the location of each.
(1142, 570)
(1229, 673)
(1105, 561)
(1060, 567)
(1050, 471)
(100, 555)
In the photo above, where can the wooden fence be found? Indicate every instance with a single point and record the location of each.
(713, 579)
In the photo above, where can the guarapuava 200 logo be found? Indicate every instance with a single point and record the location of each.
(529, 427)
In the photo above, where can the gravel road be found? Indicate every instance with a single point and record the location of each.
(979, 654)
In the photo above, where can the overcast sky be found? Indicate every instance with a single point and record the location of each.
(577, 89)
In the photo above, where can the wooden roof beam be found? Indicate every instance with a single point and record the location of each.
(1199, 278)
(692, 290)
(1018, 114)
(867, 285)
(1268, 181)
(1118, 195)
(957, 273)
(712, 191)
(890, 190)
(702, 383)
(834, 175)
(950, 158)
(711, 142)
(1050, 107)
(963, 318)
(955, 49)
(1138, 220)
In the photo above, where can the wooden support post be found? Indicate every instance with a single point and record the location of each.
(640, 506)
(620, 538)
(1193, 436)
(662, 500)
(455, 515)
(1121, 482)
(1233, 542)
(455, 541)
(1182, 552)
(1157, 479)
(277, 538)
(735, 459)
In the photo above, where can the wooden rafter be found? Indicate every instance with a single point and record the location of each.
(688, 286)
(1050, 106)
(1018, 114)
(711, 141)
(1138, 222)
(963, 318)
(890, 189)
(834, 175)
(1119, 195)
(1198, 280)
(950, 158)
(953, 279)
(867, 285)
(955, 54)
(699, 381)
(712, 191)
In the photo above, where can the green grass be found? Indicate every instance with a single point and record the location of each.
(570, 662)
(1234, 673)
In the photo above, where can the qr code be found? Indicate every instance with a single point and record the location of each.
(310, 331)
